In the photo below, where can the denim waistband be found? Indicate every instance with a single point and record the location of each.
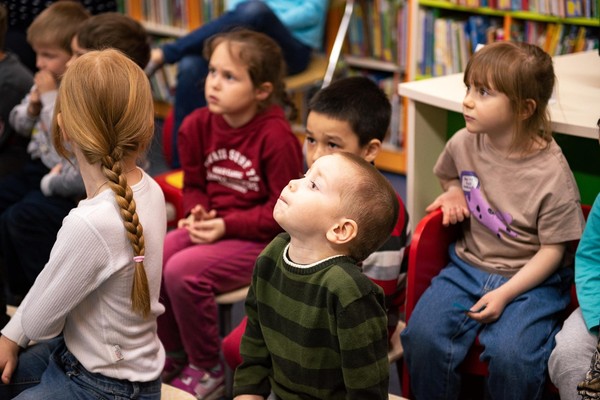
(120, 387)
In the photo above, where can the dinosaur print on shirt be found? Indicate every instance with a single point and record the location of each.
(494, 220)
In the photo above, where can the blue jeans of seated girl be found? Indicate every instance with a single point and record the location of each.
(517, 345)
(48, 370)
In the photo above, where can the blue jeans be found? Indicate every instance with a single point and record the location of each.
(517, 345)
(192, 68)
(48, 371)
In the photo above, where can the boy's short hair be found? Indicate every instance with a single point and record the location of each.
(3, 26)
(371, 201)
(117, 31)
(57, 24)
(360, 102)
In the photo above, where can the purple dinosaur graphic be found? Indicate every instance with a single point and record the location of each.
(495, 221)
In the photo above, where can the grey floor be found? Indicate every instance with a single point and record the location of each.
(158, 165)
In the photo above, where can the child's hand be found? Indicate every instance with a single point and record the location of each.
(45, 81)
(493, 304)
(198, 213)
(9, 357)
(207, 231)
(56, 169)
(453, 205)
(35, 104)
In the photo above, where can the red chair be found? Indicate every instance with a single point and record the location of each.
(427, 255)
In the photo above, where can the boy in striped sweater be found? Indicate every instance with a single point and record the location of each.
(316, 324)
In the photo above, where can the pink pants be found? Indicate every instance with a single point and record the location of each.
(192, 275)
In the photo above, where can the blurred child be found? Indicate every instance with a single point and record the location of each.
(569, 362)
(353, 115)
(30, 218)
(113, 30)
(237, 154)
(316, 325)
(94, 306)
(15, 82)
(507, 180)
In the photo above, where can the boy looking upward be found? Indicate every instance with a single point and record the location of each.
(352, 115)
(316, 325)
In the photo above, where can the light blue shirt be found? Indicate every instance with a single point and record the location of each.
(304, 18)
(587, 268)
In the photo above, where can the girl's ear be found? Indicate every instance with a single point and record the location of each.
(343, 231)
(371, 150)
(528, 108)
(264, 91)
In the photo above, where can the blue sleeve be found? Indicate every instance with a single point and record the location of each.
(587, 268)
(304, 14)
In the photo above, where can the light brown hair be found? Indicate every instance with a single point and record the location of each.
(371, 201)
(522, 72)
(57, 24)
(107, 111)
(262, 57)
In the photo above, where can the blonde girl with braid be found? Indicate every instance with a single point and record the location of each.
(93, 308)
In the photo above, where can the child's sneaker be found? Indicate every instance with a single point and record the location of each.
(172, 368)
(202, 383)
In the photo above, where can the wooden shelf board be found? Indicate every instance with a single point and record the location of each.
(529, 15)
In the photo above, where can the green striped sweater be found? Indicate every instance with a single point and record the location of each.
(313, 333)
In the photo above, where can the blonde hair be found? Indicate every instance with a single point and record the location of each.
(106, 109)
(371, 201)
(57, 24)
(521, 71)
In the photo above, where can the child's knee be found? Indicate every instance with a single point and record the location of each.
(252, 10)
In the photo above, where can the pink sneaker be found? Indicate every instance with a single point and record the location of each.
(172, 368)
(204, 384)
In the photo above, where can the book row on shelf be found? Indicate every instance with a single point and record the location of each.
(559, 8)
(378, 30)
(174, 17)
(449, 41)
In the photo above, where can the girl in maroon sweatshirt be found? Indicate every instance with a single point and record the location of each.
(237, 154)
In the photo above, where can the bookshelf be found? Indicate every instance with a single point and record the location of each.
(374, 48)
(445, 33)
(165, 21)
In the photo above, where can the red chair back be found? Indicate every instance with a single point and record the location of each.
(427, 255)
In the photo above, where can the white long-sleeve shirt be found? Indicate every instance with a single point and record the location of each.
(84, 289)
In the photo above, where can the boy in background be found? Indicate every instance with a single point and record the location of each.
(352, 115)
(29, 219)
(15, 82)
(316, 325)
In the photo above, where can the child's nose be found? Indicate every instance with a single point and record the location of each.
(468, 101)
(292, 185)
